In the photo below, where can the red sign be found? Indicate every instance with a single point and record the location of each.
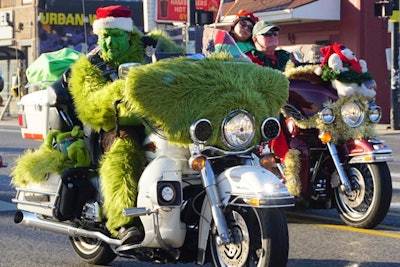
(176, 10)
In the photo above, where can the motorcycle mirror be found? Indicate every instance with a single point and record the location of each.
(123, 69)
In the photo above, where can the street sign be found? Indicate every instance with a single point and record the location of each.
(177, 10)
(395, 17)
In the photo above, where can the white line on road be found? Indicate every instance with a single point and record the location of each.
(7, 206)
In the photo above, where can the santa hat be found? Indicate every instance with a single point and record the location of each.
(244, 15)
(113, 17)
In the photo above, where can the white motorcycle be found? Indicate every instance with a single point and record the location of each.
(200, 203)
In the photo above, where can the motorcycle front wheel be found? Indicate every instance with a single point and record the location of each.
(92, 251)
(261, 239)
(369, 201)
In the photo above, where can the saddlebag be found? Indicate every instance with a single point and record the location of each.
(62, 198)
(75, 190)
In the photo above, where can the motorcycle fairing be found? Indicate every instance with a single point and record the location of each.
(172, 230)
(368, 151)
(253, 186)
(190, 91)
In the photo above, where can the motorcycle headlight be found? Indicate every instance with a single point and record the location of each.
(327, 115)
(123, 69)
(352, 114)
(375, 113)
(238, 129)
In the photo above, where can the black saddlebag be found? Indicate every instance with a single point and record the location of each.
(75, 190)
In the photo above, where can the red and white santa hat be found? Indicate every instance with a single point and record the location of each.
(113, 17)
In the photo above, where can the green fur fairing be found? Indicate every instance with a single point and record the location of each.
(120, 179)
(165, 42)
(173, 93)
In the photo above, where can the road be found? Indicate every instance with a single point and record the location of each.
(317, 237)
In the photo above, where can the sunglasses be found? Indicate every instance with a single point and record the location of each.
(271, 33)
(243, 24)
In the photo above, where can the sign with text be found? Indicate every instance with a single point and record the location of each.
(176, 10)
(68, 24)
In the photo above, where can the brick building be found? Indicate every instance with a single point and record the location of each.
(303, 22)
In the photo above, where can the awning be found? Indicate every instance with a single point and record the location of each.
(284, 11)
(321, 10)
(9, 53)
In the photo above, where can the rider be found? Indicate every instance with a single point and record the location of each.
(266, 41)
(241, 30)
(96, 90)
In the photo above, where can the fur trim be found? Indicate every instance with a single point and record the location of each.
(125, 24)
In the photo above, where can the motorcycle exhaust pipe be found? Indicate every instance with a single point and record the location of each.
(31, 220)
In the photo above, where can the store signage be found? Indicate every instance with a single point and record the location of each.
(176, 10)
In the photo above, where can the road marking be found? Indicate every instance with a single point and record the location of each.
(7, 206)
(349, 228)
(10, 130)
(396, 185)
(395, 174)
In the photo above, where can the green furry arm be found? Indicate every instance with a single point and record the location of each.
(165, 41)
(93, 96)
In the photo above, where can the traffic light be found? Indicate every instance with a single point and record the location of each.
(384, 9)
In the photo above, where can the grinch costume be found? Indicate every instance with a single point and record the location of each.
(95, 88)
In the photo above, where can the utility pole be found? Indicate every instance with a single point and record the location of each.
(191, 29)
(390, 9)
(394, 111)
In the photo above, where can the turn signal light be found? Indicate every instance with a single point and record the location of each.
(254, 202)
(325, 137)
(198, 163)
(268, 161)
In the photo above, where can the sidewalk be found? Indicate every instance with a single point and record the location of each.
(10, 117)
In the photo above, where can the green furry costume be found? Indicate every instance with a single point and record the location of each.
(94, 98)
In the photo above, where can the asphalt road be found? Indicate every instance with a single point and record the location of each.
(317, 237)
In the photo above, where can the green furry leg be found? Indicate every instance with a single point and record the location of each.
(120, 171)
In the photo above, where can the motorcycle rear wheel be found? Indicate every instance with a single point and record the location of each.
(92, 251)
(261, 237)
(368, 205)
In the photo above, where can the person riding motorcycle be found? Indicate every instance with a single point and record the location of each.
(241, 30)
(91, 85)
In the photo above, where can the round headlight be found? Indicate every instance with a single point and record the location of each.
(375, 114)
(201, 131)
(352, 114)
(238, 129)
(327, 115)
